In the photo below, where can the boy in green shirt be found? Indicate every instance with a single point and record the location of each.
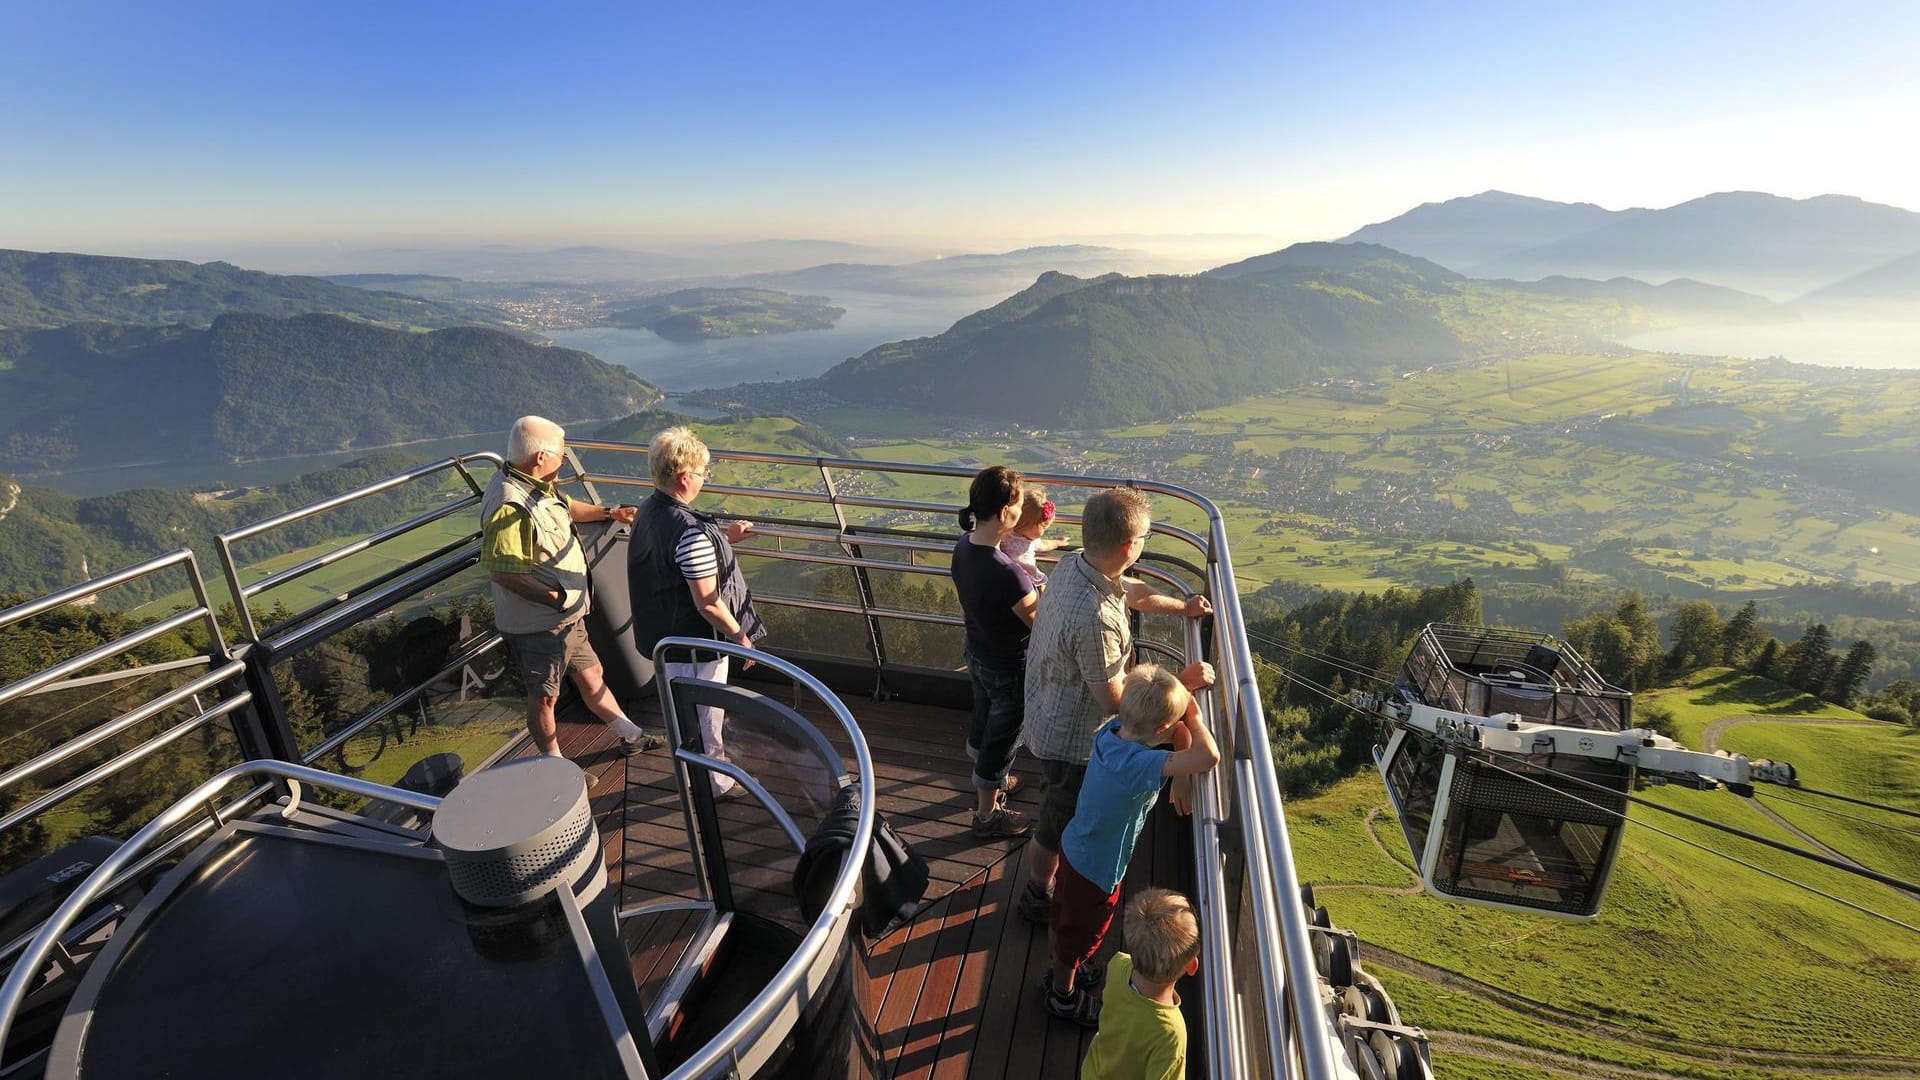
(1142, 1034)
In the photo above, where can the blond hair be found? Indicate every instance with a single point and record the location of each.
(1149, 699)
(531, 434)
(1162, 934)
(1033, 507)
(1113, 517)
(675, 451)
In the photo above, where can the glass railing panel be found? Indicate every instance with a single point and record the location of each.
(124, 797)
(788, 592)
(475, 710)
(914, 643)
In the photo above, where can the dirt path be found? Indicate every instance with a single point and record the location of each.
(1559, 1064)
(1373, 815)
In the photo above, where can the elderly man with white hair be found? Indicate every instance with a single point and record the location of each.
(539, 576)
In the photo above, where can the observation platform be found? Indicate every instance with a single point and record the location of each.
(955, 992)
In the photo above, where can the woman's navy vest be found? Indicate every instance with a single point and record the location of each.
(662, 601)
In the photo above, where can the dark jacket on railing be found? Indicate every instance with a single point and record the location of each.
(662, 601)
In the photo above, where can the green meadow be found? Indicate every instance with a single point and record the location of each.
(1697, 966)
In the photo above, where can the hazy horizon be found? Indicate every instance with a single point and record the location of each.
(233, 129)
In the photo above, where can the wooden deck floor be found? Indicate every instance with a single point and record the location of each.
(955, 992)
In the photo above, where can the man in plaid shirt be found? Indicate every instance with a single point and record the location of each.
(1077, 662)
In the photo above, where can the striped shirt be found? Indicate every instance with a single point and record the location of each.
(695, 555)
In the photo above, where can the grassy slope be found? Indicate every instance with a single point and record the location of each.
(1690, 946)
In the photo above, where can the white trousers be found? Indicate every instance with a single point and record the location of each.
(711, 718)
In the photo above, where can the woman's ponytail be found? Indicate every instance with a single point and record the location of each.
(993, 489)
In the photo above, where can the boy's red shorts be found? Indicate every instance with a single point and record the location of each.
(1078, 915)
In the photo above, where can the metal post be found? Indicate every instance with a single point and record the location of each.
(863, 585)
(278, 739)
(580, 473)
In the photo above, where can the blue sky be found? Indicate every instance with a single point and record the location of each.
(197, 128)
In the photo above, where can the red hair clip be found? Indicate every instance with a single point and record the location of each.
(1046, 511)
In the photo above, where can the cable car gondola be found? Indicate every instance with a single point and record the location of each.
(1510, 764)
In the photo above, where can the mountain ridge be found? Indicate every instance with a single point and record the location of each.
(48, 289)
(1114, 350)
(248, 386)
(1756, 242)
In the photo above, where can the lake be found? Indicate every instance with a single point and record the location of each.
(871, 319)
(1827, 343)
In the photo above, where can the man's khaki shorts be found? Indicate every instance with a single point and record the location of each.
(546, 656)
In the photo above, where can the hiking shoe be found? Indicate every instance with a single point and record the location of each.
(641, 743)
(1033, 905)
(1091, 973)
(1076, 1008)
(1002, 824)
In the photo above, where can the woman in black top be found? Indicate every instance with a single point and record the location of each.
(998, 600)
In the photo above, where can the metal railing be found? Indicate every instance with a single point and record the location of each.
(736, 1039)
(1262, 996)
(244, 592)
(220, 676)
(26, 970)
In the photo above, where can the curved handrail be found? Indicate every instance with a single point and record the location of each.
(1287, 975)
(224, 542)
(1272, 1010)
(761, 1009)
(27, 968)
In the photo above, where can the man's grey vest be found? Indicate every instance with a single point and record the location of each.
(662, 602)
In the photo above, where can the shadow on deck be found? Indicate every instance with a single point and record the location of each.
(956, 992)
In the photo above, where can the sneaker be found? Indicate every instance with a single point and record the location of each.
(1002, 824)
(1077, 1007)
(641, 743)
(1033, 905)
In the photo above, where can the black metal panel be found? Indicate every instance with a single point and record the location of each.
(284, 955)
(629, 672)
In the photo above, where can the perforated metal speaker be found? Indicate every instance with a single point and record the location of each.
(513, 833)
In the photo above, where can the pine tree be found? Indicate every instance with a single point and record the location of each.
(1743, 637)
(1851, 674)
(1766, 664)
(1806, 658)
(1698, 637)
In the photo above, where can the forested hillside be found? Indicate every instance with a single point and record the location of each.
(1115, 350)
(253, 386)
(45, 289)
(50, 540)
(1124, 349)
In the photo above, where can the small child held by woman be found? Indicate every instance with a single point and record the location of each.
(1028, 538)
